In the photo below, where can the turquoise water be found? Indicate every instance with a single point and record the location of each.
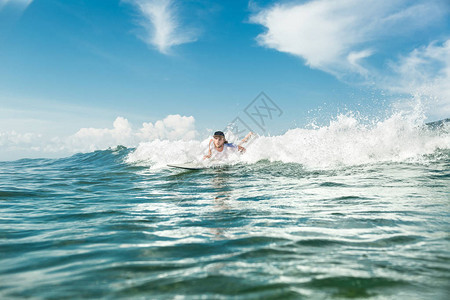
(96, 226)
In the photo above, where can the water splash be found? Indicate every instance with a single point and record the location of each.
(346, 140)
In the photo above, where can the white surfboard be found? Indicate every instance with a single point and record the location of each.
(188, 166)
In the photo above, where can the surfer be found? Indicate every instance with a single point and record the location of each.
(222, 147)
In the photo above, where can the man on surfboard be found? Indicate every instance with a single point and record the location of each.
(222, 147)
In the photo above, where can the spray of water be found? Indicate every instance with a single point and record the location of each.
(347, 140)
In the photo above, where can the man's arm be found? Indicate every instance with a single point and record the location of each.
(209, 150)
(240, 148)
(246, 137)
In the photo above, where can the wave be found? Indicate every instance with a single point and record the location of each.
(345, 141)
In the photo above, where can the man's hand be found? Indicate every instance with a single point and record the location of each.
(247, 137)
(209, 150)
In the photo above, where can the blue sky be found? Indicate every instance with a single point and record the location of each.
(68, 65)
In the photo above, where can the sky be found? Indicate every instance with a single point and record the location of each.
(82, 75)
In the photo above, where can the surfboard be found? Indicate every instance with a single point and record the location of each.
(188, 166)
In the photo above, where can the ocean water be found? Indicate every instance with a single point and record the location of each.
(348, 210)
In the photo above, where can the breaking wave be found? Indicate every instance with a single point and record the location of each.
(345, 141)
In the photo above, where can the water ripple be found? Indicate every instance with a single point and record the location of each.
(92, 226)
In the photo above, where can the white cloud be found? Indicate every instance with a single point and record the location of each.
(16, 139)
(339, 37)
(336, 36)
(90, 139)
(354, 59)
(161, 21)
(14, 145)
(173, 127)
(425, 72)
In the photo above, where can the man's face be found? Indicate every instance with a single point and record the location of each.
(218, 141)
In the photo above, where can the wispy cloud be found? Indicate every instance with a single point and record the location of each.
(425, 72)
(345, 37)
(336, 36)
(19, 4)
(161, 22)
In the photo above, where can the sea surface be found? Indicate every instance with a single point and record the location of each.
(343, 211)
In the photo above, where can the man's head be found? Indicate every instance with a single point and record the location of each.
(219, 139)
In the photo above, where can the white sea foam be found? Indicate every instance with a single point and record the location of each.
(344, 141)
